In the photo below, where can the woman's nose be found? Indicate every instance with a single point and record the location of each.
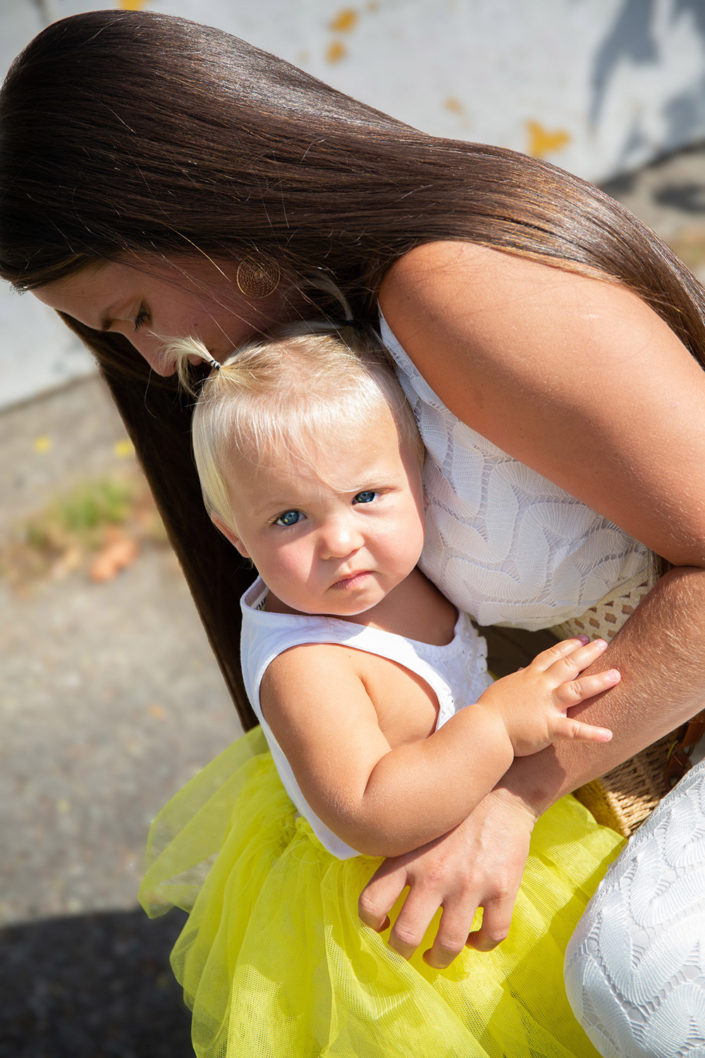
(151, 349)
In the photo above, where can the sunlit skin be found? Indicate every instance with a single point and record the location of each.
(340, 537)
(150, 301)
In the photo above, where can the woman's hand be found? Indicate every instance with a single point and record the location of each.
(478, 864)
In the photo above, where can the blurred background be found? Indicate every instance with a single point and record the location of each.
(110, 698)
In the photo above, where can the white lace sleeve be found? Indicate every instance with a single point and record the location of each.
(635, 967)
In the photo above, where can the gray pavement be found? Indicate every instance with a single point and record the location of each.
(110, 700)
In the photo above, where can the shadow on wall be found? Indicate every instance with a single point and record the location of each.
(634, 38)
(684, 195)
(92, 986)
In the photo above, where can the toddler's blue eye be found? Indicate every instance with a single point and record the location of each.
(365, 497)
(289, 518)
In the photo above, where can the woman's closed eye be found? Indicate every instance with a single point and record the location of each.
(289, 518)
(143, 317)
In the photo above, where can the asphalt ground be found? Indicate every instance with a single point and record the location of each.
(110, 701)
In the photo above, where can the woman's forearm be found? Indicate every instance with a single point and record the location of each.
(659, 653)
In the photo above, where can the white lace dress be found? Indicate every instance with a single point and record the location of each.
(635, 967)
(505, 544)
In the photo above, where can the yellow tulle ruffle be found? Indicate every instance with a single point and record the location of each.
(274, 962)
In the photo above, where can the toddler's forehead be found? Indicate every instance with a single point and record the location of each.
(318, 435)
(331, 452)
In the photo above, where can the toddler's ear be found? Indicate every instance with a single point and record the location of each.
(230, 535)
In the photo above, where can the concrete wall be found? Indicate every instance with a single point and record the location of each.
(598, 86)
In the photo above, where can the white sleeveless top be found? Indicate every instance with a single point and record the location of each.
(456, 673)
(503, 543)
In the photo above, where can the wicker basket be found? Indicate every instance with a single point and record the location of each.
(625, 797)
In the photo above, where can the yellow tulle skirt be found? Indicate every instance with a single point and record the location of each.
(274, 962)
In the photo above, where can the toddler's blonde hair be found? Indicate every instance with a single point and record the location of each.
(288, 394)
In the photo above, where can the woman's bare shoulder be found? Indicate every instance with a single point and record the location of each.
(440, 271)
(434, 262)
(575, 376)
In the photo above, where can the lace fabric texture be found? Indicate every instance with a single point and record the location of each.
(275, 963)
(505, 544)
(635, 967)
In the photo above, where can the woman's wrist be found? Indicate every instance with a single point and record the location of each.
(516, 791)
(532, 785)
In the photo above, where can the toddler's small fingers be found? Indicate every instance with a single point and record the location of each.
(572, 692)
(569, 730)
(588, 732)
(558, 652)
(581, 657)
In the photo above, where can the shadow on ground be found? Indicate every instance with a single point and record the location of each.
(92, 986)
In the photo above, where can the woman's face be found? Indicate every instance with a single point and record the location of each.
(153, 301)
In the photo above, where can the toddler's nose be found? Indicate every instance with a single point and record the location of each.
(339, 538)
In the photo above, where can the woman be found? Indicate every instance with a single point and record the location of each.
(160, 179)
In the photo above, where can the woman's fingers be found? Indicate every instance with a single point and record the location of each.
(496, 920)
(438, 875)
(452, 934)
(380, 895)
(480, 863)
(413, 921)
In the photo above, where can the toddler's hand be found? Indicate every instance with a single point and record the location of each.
(534, 702)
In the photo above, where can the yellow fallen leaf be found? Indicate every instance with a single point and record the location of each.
(42, 444)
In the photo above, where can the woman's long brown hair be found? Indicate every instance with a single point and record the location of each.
(135, 131)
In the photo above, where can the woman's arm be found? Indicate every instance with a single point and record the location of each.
(582, 381)
(480, 863)
(659, 652)
(387, 800)
(575, 377)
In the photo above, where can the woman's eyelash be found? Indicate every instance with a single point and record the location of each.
(142, 317)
